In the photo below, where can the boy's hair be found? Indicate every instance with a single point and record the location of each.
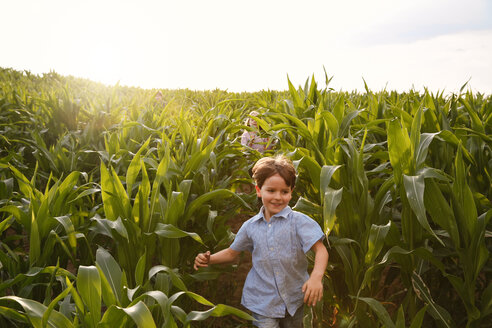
(267, 166)
(252, 113)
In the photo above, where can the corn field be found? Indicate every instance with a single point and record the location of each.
(107, 195)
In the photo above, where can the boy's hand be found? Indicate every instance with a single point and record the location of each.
(313, 291)
(202, 260)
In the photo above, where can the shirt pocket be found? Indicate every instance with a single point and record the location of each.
(286, 241)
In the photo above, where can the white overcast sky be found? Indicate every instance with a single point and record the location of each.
(253, 45)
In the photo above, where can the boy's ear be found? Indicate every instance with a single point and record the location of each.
(257, 191)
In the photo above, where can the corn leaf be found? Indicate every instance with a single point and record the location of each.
(325, 177)
(418, 318)
(440, 211)
(436, 311)
(380, 311)
(134, 167)
(375, 242)
(415, 188)
(34, 242)
(330, 203)
(35, 310)
(219, 310)
(399, 150)
(89, 288)
(140, 314)
(111, 273)
(12, 314)
(174, 276)
(54, 303)
(170, 231)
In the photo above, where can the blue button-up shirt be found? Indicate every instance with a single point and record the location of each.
(278, 247)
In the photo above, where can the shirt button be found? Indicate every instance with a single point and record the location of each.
(271, 248)
(269, 225)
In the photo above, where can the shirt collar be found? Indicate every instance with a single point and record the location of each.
(283, 213)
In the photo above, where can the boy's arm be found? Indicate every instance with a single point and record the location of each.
(313, 287)
(224, 256)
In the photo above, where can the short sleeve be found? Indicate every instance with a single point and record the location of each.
(308, 231)
(245, 138)
(242, 242)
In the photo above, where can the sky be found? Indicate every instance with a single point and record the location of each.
(256, 44)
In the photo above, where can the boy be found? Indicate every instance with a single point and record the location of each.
(278, 238)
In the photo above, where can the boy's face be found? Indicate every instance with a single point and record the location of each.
(275, 195)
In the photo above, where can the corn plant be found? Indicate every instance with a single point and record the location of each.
(104, 285)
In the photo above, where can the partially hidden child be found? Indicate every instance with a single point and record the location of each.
(278, 237)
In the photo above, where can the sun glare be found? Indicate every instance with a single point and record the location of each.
(103, 64)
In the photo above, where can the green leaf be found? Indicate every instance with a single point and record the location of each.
(415, 132)
(325, 177)
(161, 299)
(86, 192)
(380, 311)
(89, 288)
(440, 211)
(112, 273)
(24, 184)
(107, 194)
(140, 270)
(344, 126)
(400, 319)
(298, 102)
(418, 318)
(121, 197)
(452, 139)
(399, 150)
(467, 211)
(170, 231)
(375, 242)
(113, 317)
(134, 167)
(35, 310)
(463, 288)
(174, 276)
(313, 168)
(486, 301)
(141, 315)
(438, 313)
(308, 207)
(54, 303)
(214, 194)
(62, 193)
(339, 109)
(476, 123)
(332, 123)
(141, 210)
(422, 149)
(219, 310)
(200, 299)
(330, 204)
(17, 213)
(79, 304)
(34, 242)
(415, 188)
(69, 229)
(12, 314)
